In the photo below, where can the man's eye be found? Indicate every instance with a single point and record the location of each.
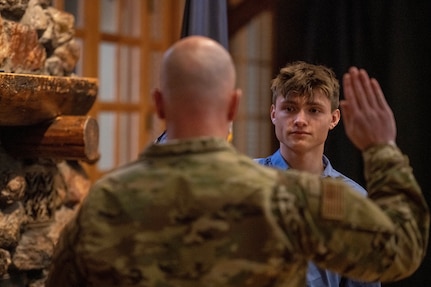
(290, 109)
(314, 111)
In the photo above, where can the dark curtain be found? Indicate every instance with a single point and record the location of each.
(392, 40)
(207, 18)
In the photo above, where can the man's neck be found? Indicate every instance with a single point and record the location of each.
(310, 161)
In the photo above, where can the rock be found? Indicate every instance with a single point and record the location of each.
(12, 219)
(5, 261)
(34, 250)
(36, 17)
(13, 9)
(20, 50)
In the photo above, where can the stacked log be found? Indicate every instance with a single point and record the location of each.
(44, 116)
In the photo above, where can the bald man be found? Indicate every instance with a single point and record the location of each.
(193, 212)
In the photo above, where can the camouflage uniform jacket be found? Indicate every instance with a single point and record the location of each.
(196, 213)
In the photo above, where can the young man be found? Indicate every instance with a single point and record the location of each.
(305, 100)
(192, 211)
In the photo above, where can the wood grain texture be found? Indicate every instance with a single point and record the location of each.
(32, 99)
(66, 137)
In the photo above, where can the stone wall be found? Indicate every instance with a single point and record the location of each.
(37, 195)
(36, 38)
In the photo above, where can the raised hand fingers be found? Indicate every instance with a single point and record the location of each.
(349, 92)
(380, 97)
(362, 91)
(370, 94)
(368, 119)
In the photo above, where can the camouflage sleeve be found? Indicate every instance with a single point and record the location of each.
(382, 239)
(393, 187)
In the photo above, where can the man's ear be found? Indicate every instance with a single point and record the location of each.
(336, 116)
(234, 104)
(158, 101)
(272, 113)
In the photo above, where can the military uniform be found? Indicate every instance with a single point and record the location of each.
(196, 213)
(317, 277)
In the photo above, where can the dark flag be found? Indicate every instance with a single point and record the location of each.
(205, 18)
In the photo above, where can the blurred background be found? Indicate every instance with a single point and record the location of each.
(122, 42)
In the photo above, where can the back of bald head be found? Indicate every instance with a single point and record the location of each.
(197, 68)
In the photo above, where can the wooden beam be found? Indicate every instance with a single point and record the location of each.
(66, 137)
(239, 15)
(33, 99)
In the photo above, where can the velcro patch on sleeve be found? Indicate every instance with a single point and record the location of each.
(333, 206)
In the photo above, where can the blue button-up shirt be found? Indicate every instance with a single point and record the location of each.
(317, 277)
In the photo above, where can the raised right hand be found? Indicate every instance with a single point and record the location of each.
(368, 119)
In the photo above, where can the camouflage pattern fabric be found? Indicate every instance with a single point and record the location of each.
(197, 213)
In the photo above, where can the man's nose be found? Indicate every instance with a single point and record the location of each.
(300, 118)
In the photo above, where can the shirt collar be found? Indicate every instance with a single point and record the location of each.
(278, 161)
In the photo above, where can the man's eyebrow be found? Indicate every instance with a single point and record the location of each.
(289, 100)
(315, 103)
(308, 102)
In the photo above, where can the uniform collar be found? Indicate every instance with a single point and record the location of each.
(184, 146)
